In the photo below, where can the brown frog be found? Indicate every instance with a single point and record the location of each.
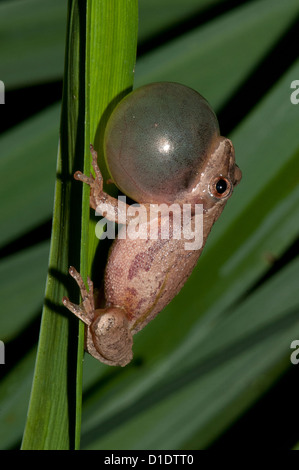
(164, 150)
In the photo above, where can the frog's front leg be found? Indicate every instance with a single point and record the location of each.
(107, 335)
(100, 201)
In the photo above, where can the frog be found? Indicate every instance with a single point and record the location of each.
(163, 150)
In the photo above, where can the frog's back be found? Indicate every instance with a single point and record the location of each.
(144, 275)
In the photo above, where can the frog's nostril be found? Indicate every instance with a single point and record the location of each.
(237, 175)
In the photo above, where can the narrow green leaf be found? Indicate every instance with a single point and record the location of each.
(23, 273)
(33, 32)
(51, 410)
(27, 164)
(171, 13)
(14, 394)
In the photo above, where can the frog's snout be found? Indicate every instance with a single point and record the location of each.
(237, 175)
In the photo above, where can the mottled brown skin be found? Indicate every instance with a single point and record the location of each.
(143, 276)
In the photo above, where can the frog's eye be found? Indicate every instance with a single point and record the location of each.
(157, 139)
(220, 187)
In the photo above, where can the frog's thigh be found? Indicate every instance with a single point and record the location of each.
(109, 338)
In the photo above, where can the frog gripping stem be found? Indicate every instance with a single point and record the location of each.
(85, 311)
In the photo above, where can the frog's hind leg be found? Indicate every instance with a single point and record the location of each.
(84, 311)
(107, 337)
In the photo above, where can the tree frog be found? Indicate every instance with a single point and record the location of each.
(164, 150)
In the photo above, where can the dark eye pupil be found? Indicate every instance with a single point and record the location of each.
(221, 186)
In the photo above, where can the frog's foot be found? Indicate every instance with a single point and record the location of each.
(84, 311)
(96, 184)
(109, 337)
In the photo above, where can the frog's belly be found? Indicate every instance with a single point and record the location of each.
(144, 275)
